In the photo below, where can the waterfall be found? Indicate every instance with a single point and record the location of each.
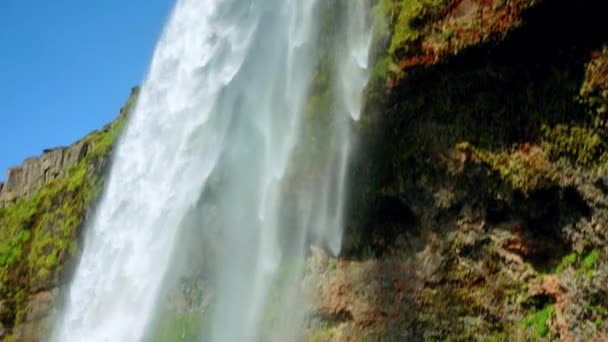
(245, 119)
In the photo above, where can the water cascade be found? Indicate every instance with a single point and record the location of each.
(245, 118)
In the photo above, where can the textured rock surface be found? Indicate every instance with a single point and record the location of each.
(480, 208)
(38, 316)
(25, 180)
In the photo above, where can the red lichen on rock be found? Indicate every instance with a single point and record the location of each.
(465, 23)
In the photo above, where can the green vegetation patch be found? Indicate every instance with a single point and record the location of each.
(404, 18)
(582, 145)
(17, 220)
(539, 320)
(567, 261)
(526, 168)
(583, 263)
(590, 261)
(399, 24)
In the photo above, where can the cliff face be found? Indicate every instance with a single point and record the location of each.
(25, 180)
(479, 202)
(479, 207)
(43, 205)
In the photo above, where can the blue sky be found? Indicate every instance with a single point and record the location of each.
(67, 66)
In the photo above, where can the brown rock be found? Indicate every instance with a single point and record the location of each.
(52, 161)
(552, 287)
(74, 154)
(23, 181)
(38, 317)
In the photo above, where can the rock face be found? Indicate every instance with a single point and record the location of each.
(480, 202)
(38, 316)
(479, 205)
(43, 206)
(25, 180)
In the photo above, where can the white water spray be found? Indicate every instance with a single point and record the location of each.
(224, 108)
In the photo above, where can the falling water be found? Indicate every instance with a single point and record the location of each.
(246, 119)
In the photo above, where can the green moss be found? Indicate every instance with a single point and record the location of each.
(12, 248)
(525, 168)
(580, 144)
(15, 225)
(381, 72)
(402, 17)
(567, 261)
(539, 320)
(589, 262)
(402, 22)
(404, 32)
(40, 233)
(584, 265)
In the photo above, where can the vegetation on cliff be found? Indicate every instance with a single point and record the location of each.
(479, 207)
(39, 235)
(424, 32)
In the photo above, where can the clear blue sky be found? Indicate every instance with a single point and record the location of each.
(67, 66)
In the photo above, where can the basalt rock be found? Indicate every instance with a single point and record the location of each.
(25, 180)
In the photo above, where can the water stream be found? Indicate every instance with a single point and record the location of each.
(246, 115)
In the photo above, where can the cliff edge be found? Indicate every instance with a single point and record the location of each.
(43, 205)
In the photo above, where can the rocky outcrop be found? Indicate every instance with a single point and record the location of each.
(43, 206)
(25, 180)
(425, 32)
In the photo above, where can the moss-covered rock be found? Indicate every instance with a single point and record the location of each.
(424, 32)
(482, 187)
(40, 233)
